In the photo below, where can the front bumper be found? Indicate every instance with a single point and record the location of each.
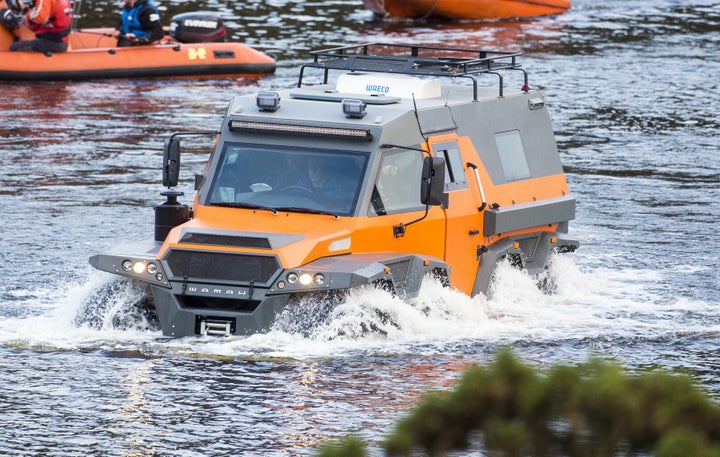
(231, 293)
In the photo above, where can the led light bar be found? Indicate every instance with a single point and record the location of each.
(269, 127)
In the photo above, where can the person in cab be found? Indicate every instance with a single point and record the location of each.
(326, 183)
(50, 21)
(139, 24)
(322, 179)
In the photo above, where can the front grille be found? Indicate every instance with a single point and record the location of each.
(226, 240)
(218, 303)
(218, 266)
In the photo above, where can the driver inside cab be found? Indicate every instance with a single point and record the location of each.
(322, 179)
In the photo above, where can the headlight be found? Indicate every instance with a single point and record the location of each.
(143, 269)
(300, 280)
(306, 279)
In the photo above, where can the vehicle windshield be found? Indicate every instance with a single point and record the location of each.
(288, 179)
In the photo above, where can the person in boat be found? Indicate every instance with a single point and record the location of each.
(139, 24)
(50, 21)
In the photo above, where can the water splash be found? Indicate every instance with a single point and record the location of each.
(102, 312)
(118, 304)
(106, 312)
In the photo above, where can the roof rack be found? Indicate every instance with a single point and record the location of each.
(417, 61)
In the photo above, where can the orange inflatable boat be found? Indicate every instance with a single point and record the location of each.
(194, 46)
(466, 9)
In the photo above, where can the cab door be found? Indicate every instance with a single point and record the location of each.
(463, 217)
(395, 219)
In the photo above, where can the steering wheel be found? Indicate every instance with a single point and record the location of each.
(296, 187)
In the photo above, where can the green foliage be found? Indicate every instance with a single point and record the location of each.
(349, 446)
(593, 410)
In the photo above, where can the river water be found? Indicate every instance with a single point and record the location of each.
(634, 97)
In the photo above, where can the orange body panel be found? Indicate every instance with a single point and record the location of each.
(467, 9)
(368, 234)
(465, 221)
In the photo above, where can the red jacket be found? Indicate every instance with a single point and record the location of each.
(50, 16)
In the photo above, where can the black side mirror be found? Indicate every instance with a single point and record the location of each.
(171, 158)
(432, 185)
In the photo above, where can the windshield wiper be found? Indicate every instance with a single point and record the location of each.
(245, 205)
(294, 209)
(301, 209)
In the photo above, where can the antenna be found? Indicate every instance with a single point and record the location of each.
(417, 118)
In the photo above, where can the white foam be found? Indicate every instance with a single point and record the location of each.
(57, 328)
(585, 304)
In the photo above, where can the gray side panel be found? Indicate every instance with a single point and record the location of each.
(516, 217)
(436, 121)
(480, 121)
(402, 130)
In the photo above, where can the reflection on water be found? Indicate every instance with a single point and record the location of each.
(629, 85)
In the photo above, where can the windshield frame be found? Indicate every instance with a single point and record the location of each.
(346, 170)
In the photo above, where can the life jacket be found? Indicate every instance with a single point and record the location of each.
(130, 21)
(58, 23)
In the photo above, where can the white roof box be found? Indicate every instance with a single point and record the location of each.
(402, 86)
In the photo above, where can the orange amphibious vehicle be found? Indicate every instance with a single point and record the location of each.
(398, 167)
(195, 46)
(466, 9)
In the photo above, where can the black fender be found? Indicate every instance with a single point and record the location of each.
(403, 272)
(527, 252)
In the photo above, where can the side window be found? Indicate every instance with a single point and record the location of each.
(225, 186)
(397, 188)
(512, 155)
(454, 170)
